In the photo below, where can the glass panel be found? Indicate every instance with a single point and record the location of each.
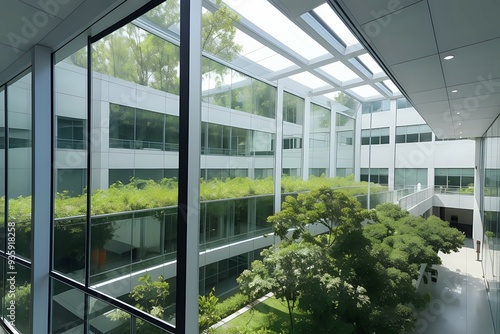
(132, 230)
(2, 165)
(70, 116)
(67, 311)
(17, 282)
(19, 162)
(271, 20)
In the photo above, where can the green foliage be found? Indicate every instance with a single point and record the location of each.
(132, 54)
(148, 296)
(283, 271)
(207, 315)
(360, 274)
(231, 304)
(335, 210)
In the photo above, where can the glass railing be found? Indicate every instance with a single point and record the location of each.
(454, 190)
(420, 195)
(73, 144)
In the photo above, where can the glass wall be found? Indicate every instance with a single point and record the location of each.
(293, 132)
(454, 178)
(344, 129)
(319, 140)
(19, 160)
(491, 218)
(410, 177)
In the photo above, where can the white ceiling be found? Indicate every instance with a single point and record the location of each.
(411, 38)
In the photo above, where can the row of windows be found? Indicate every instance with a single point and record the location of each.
(407, 177)
(375, 175)
(375, 136)
(413, 134)
(375, 106)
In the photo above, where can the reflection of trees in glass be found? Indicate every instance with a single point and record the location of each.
(347, 101)
(132, 54)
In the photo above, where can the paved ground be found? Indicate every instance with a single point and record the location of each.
(460, 304)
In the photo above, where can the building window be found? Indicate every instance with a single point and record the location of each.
(70, 133)
(403, 103)
(376, 106)
(317, 171)
(454, 177)
(293, 109)
(375, 136)
(377, 175)
(410, 177)
(413, 134)
(291, 143)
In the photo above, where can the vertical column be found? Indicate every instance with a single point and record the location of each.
(278, 149)
(333, 143)
(189, 167)
(305, 142)
(357, 144)
(392, 143)
(41, 195)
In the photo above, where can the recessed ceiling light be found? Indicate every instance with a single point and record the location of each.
(454, 91)
(459, 123)
(458, 112)
(449, 57)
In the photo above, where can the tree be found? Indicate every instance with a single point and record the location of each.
(132, 54)
(369, 262)
(333, 209)
(284, 271)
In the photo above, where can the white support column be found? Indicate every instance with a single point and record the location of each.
(305, 142)
(278, 149)
(41, 185)
(333, 143)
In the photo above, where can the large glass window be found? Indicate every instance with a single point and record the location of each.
(375, 136)
(293, 108)
(413, 134)
(70, 133)
(377, 175)
(19, 160)
(410, 177)
(454, 178)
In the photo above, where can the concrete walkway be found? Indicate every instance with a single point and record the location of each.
(460, 304)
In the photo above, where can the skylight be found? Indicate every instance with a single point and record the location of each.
(370, 63)
(268, 18)
(309, 80)
(331, 19)
(339, 71)
(366, 92)
(391, 86)
(261, 54)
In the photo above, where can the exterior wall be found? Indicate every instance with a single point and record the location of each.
(429, 155)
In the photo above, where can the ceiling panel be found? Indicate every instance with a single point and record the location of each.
(60, 9)
(458, 23)
(8, 56)
(420, 75)
(427, 96)
(473, 63)
(24, 25)
(434, 108)
(399, 40)
(480, 113)
(368, 11)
